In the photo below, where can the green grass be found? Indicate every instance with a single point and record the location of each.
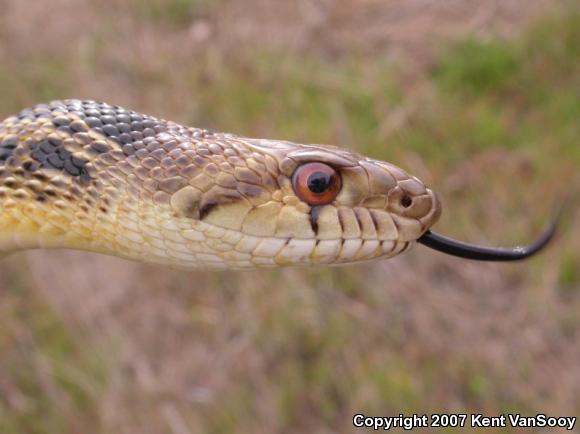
(176, 13)
(477, 68)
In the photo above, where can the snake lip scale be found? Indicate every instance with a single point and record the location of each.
(93, 176)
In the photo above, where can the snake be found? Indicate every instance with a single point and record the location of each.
(87, 175)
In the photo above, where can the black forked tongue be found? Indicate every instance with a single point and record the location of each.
(481, 253)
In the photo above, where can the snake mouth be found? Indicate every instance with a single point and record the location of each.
(461, 249)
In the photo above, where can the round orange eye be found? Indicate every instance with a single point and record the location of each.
(316, 183)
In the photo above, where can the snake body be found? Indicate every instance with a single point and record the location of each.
(99, 177)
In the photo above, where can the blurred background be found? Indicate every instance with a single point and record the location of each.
(479, 99)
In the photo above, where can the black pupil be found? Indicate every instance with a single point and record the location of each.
(319, 182)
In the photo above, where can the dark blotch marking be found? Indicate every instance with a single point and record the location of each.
(374, 220)
(214, 197)
(206, 209)
(314, 213)
(52, 154)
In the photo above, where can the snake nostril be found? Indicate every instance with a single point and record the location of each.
(406, 201)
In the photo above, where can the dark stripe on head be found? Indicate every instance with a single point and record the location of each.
(314, 213)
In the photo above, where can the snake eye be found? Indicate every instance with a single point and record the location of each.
(316, 183)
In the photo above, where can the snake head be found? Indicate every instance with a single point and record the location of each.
(318, 205)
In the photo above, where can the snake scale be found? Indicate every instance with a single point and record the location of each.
(93, 176)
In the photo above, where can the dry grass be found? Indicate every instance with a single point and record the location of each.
(96, 344)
